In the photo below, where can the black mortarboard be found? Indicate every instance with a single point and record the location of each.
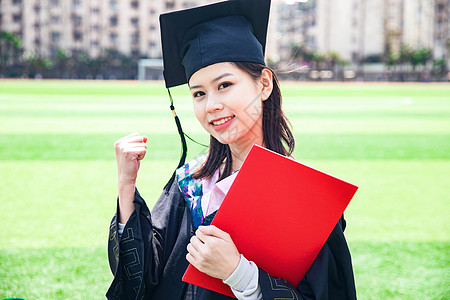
(233, 30)
(229, 31)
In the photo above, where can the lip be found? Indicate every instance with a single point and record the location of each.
(223, 125)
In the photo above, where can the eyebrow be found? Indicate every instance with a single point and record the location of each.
(212, 81)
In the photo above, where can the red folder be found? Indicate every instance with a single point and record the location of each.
(279, 214)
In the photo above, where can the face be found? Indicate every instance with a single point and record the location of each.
(228, 103)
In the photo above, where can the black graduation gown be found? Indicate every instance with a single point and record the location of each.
(150, 259)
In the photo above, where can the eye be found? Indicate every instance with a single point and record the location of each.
(198, 94)
(224, 85)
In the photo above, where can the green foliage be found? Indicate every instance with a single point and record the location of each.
(59, 179)
(63, 64)
(420, 56)
(11, 52)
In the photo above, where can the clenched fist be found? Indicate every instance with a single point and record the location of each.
(130, 150)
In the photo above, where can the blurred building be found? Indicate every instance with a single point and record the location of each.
(361, 29)
(441, 36)
(355, 29)
(129, 26)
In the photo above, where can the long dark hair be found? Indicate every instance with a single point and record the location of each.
(277, 135)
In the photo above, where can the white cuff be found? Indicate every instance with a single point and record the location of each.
(120, 228)
(244, 281)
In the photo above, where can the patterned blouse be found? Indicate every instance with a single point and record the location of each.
(202, 194)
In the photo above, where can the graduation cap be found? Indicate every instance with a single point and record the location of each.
(229, 31)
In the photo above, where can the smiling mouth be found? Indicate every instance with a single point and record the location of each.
(221, 121)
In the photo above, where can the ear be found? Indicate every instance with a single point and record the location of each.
(266, 81)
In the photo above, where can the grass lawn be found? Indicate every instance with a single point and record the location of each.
(58, 177)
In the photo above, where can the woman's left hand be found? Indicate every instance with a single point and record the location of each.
(213, 252)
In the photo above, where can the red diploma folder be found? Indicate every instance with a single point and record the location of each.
(279, 214)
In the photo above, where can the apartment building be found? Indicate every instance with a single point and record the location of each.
(355, 29)
(358, 29)
(129, 26)
(441, 38)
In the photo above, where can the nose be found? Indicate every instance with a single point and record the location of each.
(213, 104)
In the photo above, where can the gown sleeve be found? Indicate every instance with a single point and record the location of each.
(329, 277)
(140, 258)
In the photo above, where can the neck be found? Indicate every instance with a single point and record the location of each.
(240, 151)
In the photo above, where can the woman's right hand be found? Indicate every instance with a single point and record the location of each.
(130, 150)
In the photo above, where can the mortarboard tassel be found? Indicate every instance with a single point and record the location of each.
(183, 142)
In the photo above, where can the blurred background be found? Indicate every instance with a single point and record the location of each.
(396, 40)
(357, 83)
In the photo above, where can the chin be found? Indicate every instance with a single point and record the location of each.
(224, 139)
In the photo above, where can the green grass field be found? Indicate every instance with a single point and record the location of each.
(58, 177)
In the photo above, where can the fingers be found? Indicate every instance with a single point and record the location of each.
(130, 150)
(194, 248)
(133, 145)
(136, 139)
(131, 138)
(212, 252)
(125, 138)
(135, 151)
(212, 231)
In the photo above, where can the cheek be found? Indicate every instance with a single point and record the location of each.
(199, 112)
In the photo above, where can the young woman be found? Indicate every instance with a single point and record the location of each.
(237, 100)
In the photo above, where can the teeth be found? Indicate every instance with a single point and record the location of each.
(220, 122)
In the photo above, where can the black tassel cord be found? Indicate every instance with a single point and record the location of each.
(183, 143)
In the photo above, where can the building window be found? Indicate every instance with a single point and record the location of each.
(152, 11)
(17, 2)
(135, 22)
(17, 18)
(77, 36)
(113, 38)
(151, 44)
(113, 21)
(135, 52)
(311, 41)
(188, 4)
(170, 5)
(152, 27)
(55, 19)
(54, 2)
(95, 10)
(54, 51)
(76, 4)
(113, 4)
(135, 38)
(135, 4)
(76, 20)
(95, 27)
(37, 42)
(55, 36)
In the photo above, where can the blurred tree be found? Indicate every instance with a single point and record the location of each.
(335, 62)
(405, 54)
(62, 63)
(38, 66)
(11, 55)
(420, 57)
(439, 68)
